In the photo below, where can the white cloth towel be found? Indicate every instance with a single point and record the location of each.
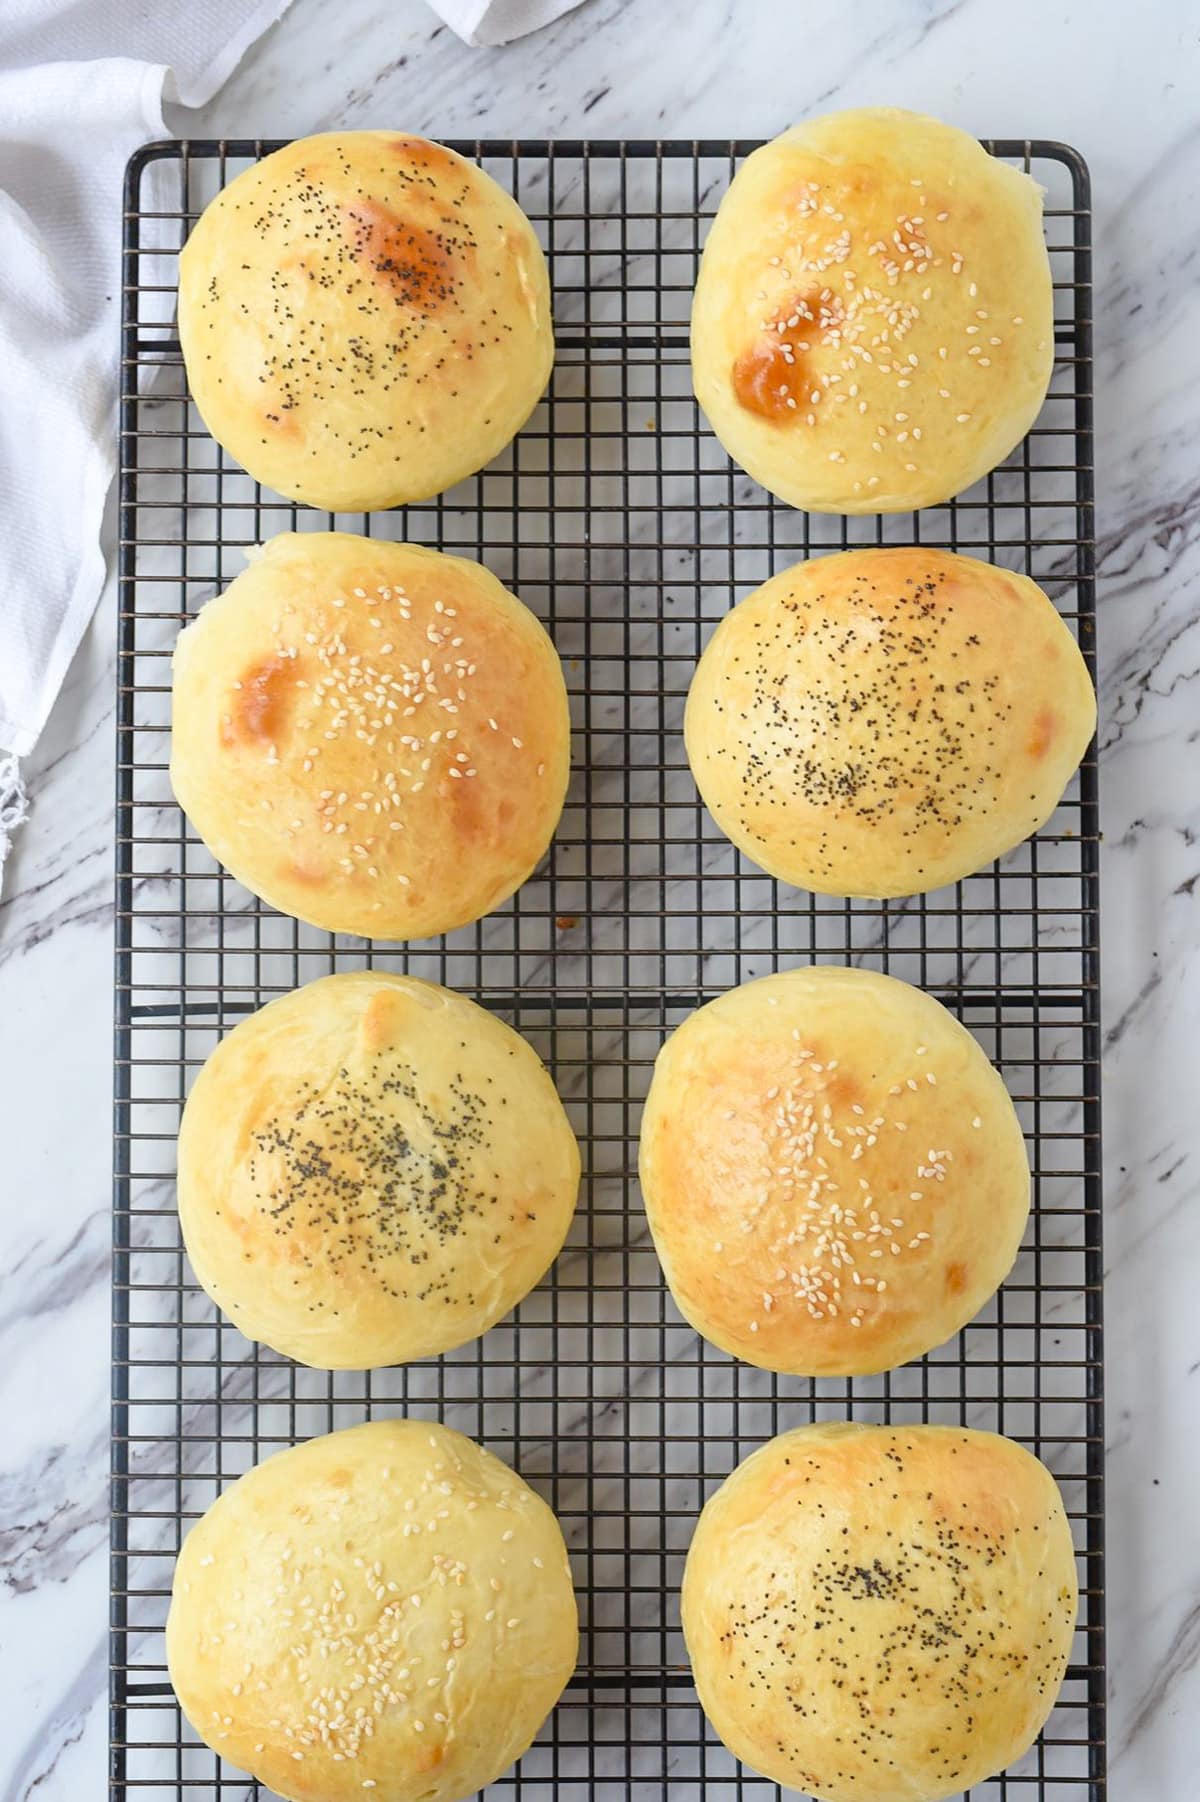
(81, 86)
(500, 21)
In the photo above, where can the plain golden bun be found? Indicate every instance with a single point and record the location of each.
(881, 1614)
(385, 1610)
(371, 1170)
(365, 319)
(834, 1174)
(873, 325)
(882, 722)
(370, 736)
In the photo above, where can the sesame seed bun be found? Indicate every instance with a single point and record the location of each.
(882, 722)
(372, 737)
(365, 319)
(833, 1173)
(388, 1608)
(881, 1614)
(873, 325)
(373, 1169)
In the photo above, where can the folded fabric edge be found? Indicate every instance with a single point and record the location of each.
(216, 73)
(14, 805)
(18, 740)
(490, 23)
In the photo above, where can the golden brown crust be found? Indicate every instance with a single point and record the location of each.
(881, 1614)
(881, 722)
(388, 1608)
(371, 736)
(373, 1169)
(873, 322)
(833, 1173)
(365, 318)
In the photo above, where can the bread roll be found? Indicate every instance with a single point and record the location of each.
(371, 1170)
(387, 1609)
(834, 1175)
(883, 722)
(881, 1614)
(873, 325)
(365, 319)
(370, 736)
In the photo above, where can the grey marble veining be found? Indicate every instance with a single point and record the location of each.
(1125, 96)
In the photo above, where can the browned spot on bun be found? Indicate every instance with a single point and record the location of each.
(843, 1091)
(850, 181)
(1042, 735)
(504, 815)
(427, 155)
(474, 824)
(280, 417)
(406, 258)
(377, 1022)
(308, 873)
(771, 376)
(956, 1278)
(257, 709)
(763, 378)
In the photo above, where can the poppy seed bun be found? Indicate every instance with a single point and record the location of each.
(385, 1610)
(873, 325)
(881, 1614)
(833, 1173)
(365, 319)
(373, 1169)
(882, 722)
(372, 737)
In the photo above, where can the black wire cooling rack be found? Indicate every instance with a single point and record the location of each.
(617, 517)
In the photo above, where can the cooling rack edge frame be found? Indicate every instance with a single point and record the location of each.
(1083, 506)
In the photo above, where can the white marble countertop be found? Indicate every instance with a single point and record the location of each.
(1123, 92)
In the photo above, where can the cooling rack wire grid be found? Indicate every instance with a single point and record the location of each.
(615, 516)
